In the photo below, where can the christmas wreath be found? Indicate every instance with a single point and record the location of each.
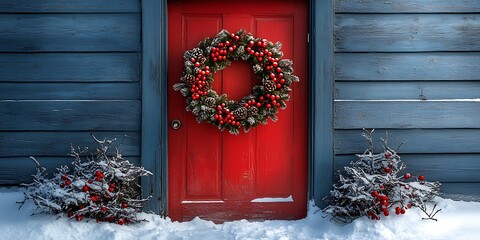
(213, 55)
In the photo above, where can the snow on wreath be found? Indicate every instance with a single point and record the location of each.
(103, 187)
(377, 184)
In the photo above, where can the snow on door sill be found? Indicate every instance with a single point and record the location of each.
(268, 199)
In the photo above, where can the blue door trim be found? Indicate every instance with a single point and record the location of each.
(321, 65)
(154, 104)
(154, 101)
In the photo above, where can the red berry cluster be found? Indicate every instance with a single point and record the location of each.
(402, 210)
(269, 100)
(383, 202)
(200, 86)
(260, 52)
(66, 181)
(219, 53)
(225, 116)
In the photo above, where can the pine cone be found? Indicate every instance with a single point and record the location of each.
(196, 53)
(240, 113)
(205, 87)
(201, 59)
(252, 111)
(189, 79)
(269, 86)
(209, 102)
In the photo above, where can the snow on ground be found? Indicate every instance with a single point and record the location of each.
(457, 220)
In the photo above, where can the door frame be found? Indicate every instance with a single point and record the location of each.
(154, 65)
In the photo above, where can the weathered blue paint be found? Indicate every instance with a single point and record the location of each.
(445, 66)
(422, 90)
(65, 75)
(70, 91)
(68, 6)
(69, 32)
(69, 115)
(154, 103)
(356, 114)
(69, 67)
(416, 140)
(321, 100)
(24, 143)
(406, 32)
(407, 6)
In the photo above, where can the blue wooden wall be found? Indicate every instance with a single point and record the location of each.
(411, 67)
(67, 68)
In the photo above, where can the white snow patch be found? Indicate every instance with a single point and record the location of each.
(410, 100)
(456, 220)
(273, 199)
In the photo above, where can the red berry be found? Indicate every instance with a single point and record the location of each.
(110, 189)
(421, 177)
(407, 175)
(409, 205)
(269, 105)
(62, 185)
(387, 155)
(272, 75)
(374, 194)
(68, 183)
(103, 208)
(278, 85)
(90, 181)
(79, 217)
(386, 213)
(97, 173)
(121, 221)
(402, 211)
(387, 170)
(85, 188)
(124, 205)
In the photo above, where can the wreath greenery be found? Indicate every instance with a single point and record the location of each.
(215, 54)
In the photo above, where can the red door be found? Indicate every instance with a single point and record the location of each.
(261, 174)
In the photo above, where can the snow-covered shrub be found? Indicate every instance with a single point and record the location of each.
(103, 186)
(376, 184)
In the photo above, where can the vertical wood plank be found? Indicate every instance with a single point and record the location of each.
(154, 103)
(321, 100)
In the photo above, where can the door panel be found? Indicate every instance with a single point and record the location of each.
(256, 175)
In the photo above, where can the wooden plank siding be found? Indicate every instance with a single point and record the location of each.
(67, 69)
(411, 68)
(69, 6)
(407, 6)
